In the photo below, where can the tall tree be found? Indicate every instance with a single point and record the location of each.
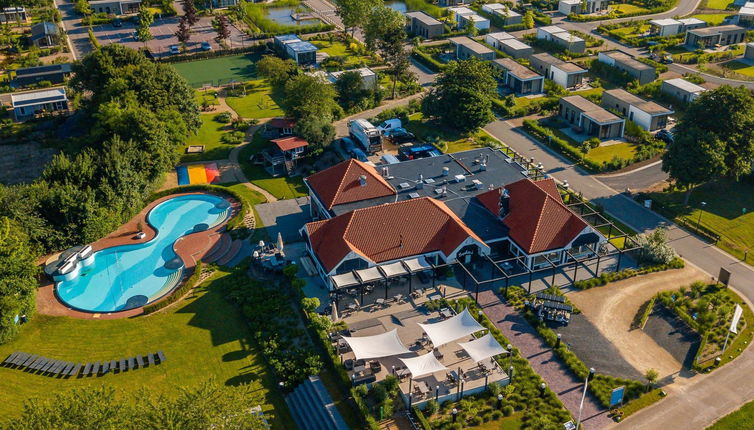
(189, 11)
(462, 95)
(354, 13)
(223, 29)
(350, 89)
(18, 277)
(309, 95)
(146, 18)
(277, 70)
(385, 32)
(528, 19)
(184, 32)
(708, 146)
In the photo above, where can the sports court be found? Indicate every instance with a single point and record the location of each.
(220, 70)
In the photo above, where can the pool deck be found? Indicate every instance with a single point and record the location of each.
(190, 248)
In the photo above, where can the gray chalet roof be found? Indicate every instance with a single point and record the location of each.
(423, 18)
(43, 29)
(516, 69)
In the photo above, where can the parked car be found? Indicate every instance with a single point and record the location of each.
(117, 22)
(399, 135)
(389, 124)
(206, 46)
(174, 50)
(665, 135)
(350, 148)
(409, 151)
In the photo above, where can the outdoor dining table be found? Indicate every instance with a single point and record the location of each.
(380, 301)
(446, 313)
(423, 387)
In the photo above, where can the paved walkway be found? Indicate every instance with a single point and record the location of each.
(544, 361)
(236, 169)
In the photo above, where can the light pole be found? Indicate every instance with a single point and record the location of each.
(699, 220)
(510, 355)
(583, 395)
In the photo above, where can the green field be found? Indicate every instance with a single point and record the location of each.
(209, 135)
(447, 139)
(740, 68)
(339, 49)
(206, 96)
(203, 337)
(729, 212)
(602, 154)
(625, 8)
(712, 18)
(282, 187)
(220, 70)
(259, 101)
(718, 4)
(738, 420)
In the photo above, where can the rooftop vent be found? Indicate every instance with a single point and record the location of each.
(459, 178)
(445, 171)
(477, 183)
(429, 181)
(414, 195)
(404, 185)
(363, 180)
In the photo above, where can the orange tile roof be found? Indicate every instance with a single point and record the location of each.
(290, 142)
(537, 218)
(339, 184)
(389, 232)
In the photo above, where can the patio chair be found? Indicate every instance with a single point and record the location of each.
(150, 359)
(140, 361)
(74, 370)
(161, 356)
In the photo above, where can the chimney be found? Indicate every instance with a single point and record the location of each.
(445, 171)
(444, 190)
(385, 172)
(504, 203)
(420, 182)
(363, 180)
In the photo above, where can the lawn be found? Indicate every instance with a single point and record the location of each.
(728, 211)
(712, 18)
(626, 8)
(209, 135)
(220, 70)
(603, 154)
(718, 4)
(282, 187)
(259, 101)
(448, 140)
(203, 337)
(206, 96)
(740, 68)
(740, 419)
(339, 49)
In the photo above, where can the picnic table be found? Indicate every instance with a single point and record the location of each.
(380, 302)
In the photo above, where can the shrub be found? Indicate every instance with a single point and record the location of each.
(223, 117)
(233, 138)
(433, 407)
(508, 410)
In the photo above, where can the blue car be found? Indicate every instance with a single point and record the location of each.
(350, 148)
(206, 46)
(412, 152)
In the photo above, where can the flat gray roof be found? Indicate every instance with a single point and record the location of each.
(627, 60)
(423, 18)
(591, 110)
(649, 107)
(515, 44)
(711, 31)
(685, 85)
(518, 70)
(471, 44)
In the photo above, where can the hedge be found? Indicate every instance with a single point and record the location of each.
(361, 403)
(427, 60)
(643, 314)
(234, 223)
(177, 293)
(561, 145)
(423, 423)
(259, 47)
(608, 277)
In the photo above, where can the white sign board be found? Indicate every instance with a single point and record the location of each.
(648, 204)
(736, 316)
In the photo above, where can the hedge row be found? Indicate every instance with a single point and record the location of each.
(235, 223)
(258, 47)
(613, 15)
(427, 60)
(361, 403)
(561, 145)
(176, 294)
(423, 423)
(608, 277)
(643, 314)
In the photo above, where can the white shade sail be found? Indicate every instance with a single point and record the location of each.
(369, 275)
(416, 264)
(377, 346)
(483, 348)
(393, 269)
(344, 280)
(451, 329)
(423, 365)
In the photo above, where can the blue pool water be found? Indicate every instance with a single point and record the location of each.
(143, 272)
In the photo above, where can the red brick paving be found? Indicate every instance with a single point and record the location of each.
(189, 248)
(544, 361)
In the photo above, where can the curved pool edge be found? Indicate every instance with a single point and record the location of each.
(50, 303)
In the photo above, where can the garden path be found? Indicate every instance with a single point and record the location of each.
(235, 167)
(544, 361)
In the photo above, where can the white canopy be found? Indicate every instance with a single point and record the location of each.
(423, 365)
(393, 269)
(379, 345)
(483, 348)
(344, 280)
(451, 329)
(416, 264)
(369, 275)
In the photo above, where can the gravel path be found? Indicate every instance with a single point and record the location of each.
(557, 376)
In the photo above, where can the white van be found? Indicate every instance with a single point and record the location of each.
(389, 124)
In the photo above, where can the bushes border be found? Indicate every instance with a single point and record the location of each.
(177, 293)
(607, 277)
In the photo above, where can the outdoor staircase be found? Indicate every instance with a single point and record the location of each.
(312, 407)
(235, 246)
(219, 250)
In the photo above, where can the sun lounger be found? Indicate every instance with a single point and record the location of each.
(150, 359)
(74, 370)
(140, 361)
(30, 359)
(52, 369)
(39, 364)
(11, 359)
(19, 358)
(105, 368)
(65, 369)
(95, 368)
(61, 368)
(50, 365)
(122, 365)
(87, 369)
(113, 365)
(132, 363)
(161, 356)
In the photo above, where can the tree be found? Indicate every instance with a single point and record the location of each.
(276, 70)
(309, 95)
(354, 13)
(386, 33)
(651, 376)
(189, 11)
(462, 95)
(146, 18)
(18, 277)
(223, 29)
(528, 19)
(655, 247)
(316, 129)
(350, 90)
(184, 32)
(471, 29)
(82, 7)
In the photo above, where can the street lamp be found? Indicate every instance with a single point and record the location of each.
(699, 220)
(455, 414)
(583, 395)
(510, 356)
(542, 388)
(499, 401)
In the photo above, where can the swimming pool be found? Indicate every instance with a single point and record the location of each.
(128, 276)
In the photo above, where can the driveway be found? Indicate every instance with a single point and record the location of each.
(285, 217)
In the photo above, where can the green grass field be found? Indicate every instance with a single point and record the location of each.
(282, 187)
(712, 18)
(723, 213)
(628, 8)
(740, 68)
(259, 101)
(339, 49)
(209, 135)
(718, 4)
(601, 154)
(449, 140)
(219, 70)
(738, 420)
(203, 337)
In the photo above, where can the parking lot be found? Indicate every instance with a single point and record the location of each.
(163, 31)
